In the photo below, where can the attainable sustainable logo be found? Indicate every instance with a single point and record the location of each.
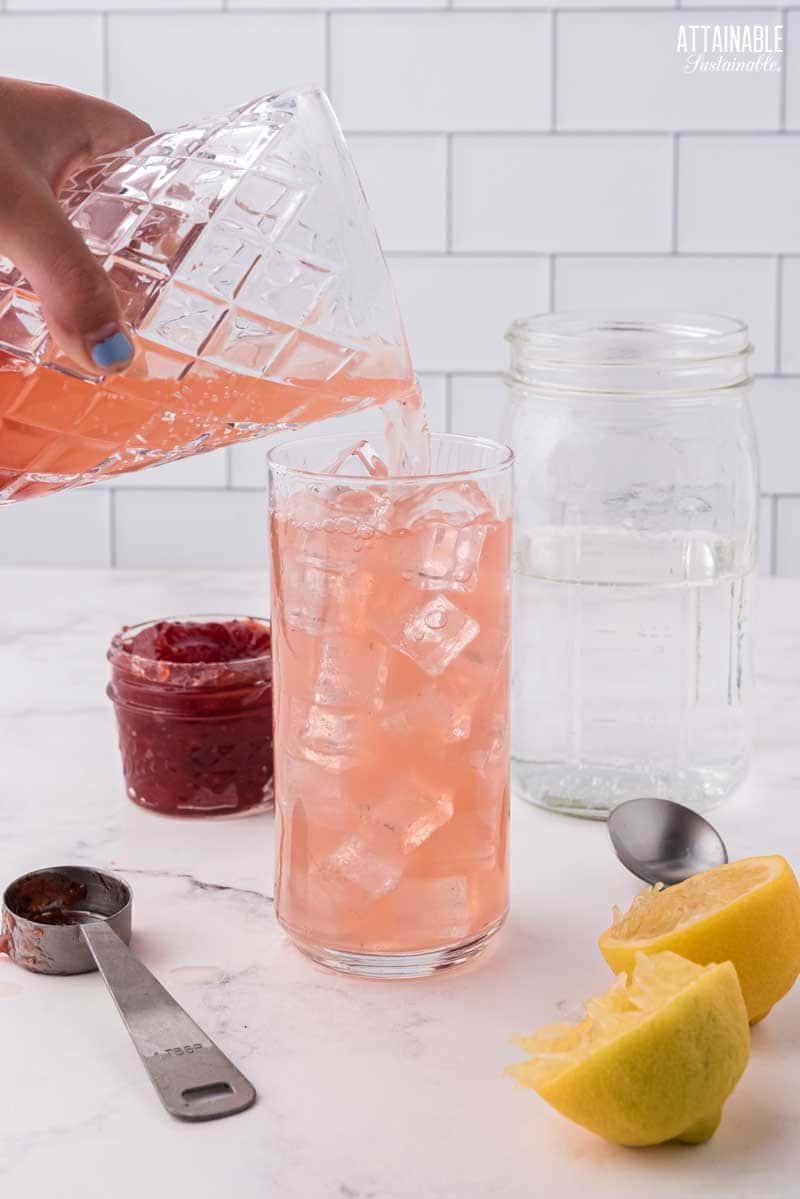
(750, 48)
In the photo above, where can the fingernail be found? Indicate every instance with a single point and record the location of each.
(115, 349)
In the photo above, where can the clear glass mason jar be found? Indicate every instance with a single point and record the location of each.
(635, 546)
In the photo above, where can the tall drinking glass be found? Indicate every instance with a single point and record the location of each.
(391, 629)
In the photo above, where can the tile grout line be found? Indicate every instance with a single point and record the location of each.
(105, 68)
(551, 283)
(553, 70)
(676, 144)
(782, 84)
(328, 51)
(112, 527)
(545, 251)
(778, 313)
(445, 8)
(448, 402)
(486, 10)
(773, 537)
(544, 133)
(449, 197)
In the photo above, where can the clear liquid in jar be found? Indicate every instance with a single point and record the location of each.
(631, 668)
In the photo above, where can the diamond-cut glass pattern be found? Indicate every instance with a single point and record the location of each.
(285, 287)
(47, 405)
(247, 343)
(246, 262)
(162, 238)
(9, 275)
(220, 261)
(137, 288)
(183, 319)
(238, 145)
(22, 327)
(198, 188)
(140, 180)
(107, 222)
(264, 206)
(309, 359)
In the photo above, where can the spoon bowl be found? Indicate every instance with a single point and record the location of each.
(661, 841)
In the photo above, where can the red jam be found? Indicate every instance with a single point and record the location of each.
(193, 700)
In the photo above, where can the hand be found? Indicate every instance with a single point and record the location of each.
(46, 133)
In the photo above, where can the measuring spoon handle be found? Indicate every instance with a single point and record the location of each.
(193, 1077)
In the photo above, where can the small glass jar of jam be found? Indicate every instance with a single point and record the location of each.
(193, 701)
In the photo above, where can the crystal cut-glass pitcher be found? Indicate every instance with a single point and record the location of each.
(248, 267)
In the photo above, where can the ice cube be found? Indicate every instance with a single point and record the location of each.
(359, 459)
(352, 670)
(328, 528)
(489, 753)
(355, 874)
(446, 525)
(458, 503)
(321, 599)
(324, 798)
(411, 810)
(432, 636)
(445, 557)
(370, 863)
(435, 714)
(483, 671)
(430, 911)
(329, 736)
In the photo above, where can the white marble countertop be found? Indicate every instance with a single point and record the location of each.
(366, 1090)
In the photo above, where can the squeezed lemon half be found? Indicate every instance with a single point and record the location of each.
(654, 1058)
(747, 912)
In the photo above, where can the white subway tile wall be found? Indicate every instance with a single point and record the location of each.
(776, 412)
(532, 193)
(199, 527)
(517, 156)
(766, 539)
(746, 287)
(73, 529)
(441, 71)
(739, 193)
(790, 314)
(787, 540)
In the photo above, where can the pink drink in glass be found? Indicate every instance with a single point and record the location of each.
(391, 626)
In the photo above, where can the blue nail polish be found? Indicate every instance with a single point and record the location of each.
(113, 351)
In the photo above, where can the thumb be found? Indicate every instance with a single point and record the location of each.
(78, 298)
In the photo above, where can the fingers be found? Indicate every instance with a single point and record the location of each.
(78, 298)
(110, 127)
(56, 131)
(46, 133)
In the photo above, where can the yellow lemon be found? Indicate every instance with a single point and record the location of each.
(747, 912)
(653, 1060)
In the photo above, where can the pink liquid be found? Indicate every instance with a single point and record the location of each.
(58, 431)
(391, 712)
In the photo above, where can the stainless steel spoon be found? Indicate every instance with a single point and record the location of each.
(70, 920)
(663, 842)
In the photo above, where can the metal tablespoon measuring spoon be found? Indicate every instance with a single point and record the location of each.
(71, 920)
(663, 842)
